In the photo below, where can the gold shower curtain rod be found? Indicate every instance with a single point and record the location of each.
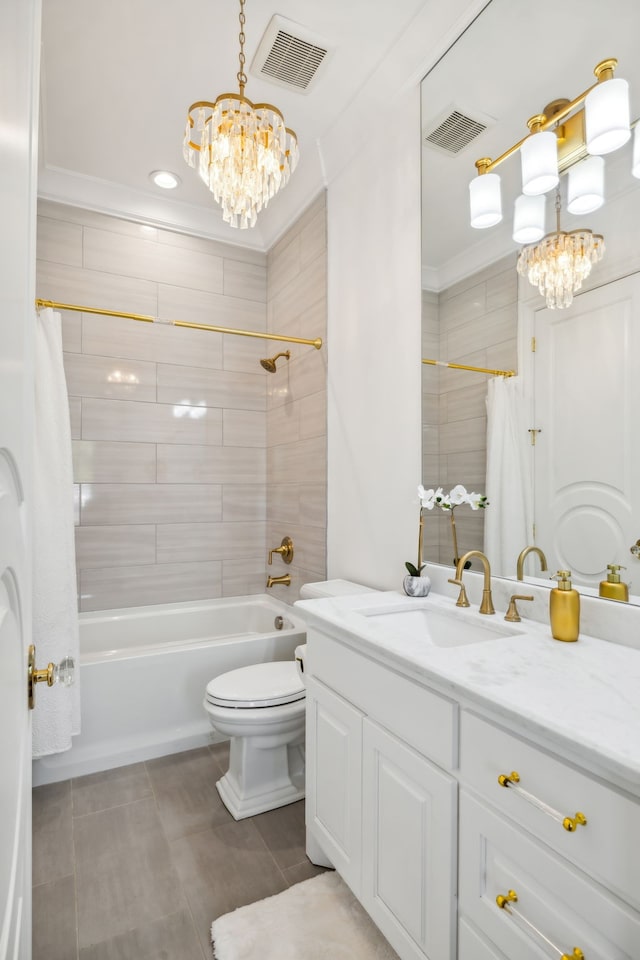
(317, 343)
(464, 366)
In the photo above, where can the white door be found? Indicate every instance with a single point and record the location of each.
(19, 53)
(587, 403)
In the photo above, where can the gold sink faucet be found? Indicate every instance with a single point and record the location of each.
(522, 557)
(487, 603)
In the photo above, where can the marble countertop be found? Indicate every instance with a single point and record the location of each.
(584, 696)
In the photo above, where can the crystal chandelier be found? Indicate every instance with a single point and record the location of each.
(560, 262)
(244, 152)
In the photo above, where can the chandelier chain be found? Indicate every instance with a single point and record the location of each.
(242, 77)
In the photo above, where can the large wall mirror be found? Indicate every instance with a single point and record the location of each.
(568, 479)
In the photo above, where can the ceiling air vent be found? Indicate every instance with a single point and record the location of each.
(289, 55)
(455, 131)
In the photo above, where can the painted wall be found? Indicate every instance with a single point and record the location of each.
(372, 158)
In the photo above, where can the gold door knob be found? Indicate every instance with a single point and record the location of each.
(63, 672)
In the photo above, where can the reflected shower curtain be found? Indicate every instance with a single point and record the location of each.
(508, 519)
(56, 717)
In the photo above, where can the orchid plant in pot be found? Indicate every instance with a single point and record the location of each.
(416, 585)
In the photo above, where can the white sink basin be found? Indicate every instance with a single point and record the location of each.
(442, 628)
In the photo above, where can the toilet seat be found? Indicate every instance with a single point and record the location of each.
(259, 685)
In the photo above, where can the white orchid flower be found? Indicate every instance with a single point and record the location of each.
(427, 497)
(458, 495)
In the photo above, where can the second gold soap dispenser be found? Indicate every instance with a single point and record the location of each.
(612, 588)
(564, 608)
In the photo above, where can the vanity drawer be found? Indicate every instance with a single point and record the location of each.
(425, 720)
(555, 903)
(605, 847)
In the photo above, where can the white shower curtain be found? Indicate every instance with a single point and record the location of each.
(56, 717)
(508, 518)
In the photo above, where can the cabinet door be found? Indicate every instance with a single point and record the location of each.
(409, 847)
(334, 779)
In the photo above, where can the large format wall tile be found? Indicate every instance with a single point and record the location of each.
(160, 342)
(103, 589)
(169, 423)
(125, 503)
(209, 541)
(219, 388)
(193, 464)
(152, 422)
(104, 461)
(115, 545)
(107, 377)
(136, 257)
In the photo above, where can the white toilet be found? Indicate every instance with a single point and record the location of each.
(261, 708)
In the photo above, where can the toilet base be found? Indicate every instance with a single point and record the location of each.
(259, 780)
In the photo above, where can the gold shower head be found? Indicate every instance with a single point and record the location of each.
(269, 363)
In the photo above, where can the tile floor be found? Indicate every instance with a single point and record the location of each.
(135, 863)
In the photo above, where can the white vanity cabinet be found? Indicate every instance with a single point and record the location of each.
(577, 888)
(404, 798)
(382, 811)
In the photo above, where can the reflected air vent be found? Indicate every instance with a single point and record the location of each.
(289, 55)
(455, 131)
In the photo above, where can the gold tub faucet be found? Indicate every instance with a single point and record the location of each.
(285, 579)
(487, 603)
(524, 554)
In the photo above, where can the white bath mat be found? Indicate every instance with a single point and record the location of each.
(318, 919)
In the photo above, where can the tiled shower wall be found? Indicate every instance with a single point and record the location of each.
(477, 321)
(297, 401)
(169, 424)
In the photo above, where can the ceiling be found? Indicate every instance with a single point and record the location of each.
(117, 79)
(513, 60)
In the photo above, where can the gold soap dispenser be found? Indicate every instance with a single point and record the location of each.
(612, 588)
(564, 608)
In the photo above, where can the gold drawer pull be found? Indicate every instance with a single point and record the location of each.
(506, 900)
(570, 824)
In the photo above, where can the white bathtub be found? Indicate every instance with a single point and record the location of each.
(143, 672)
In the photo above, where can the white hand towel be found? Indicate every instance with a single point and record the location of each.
(56, 717)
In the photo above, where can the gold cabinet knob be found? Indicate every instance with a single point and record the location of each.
(570, 823)
(504, 899)
(63, 672)
(506, 778)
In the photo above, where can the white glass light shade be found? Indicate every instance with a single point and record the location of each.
(586, 186)
(635, 168)
(606, 111)
(539, 158)
(485, 200)
(528, 219)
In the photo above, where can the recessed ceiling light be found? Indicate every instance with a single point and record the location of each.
(164, 179)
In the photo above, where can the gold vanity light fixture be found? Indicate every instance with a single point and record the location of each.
(569, 135)
(244, 152)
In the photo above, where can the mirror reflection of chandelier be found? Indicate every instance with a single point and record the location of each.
(244, 152)
(570, 135)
